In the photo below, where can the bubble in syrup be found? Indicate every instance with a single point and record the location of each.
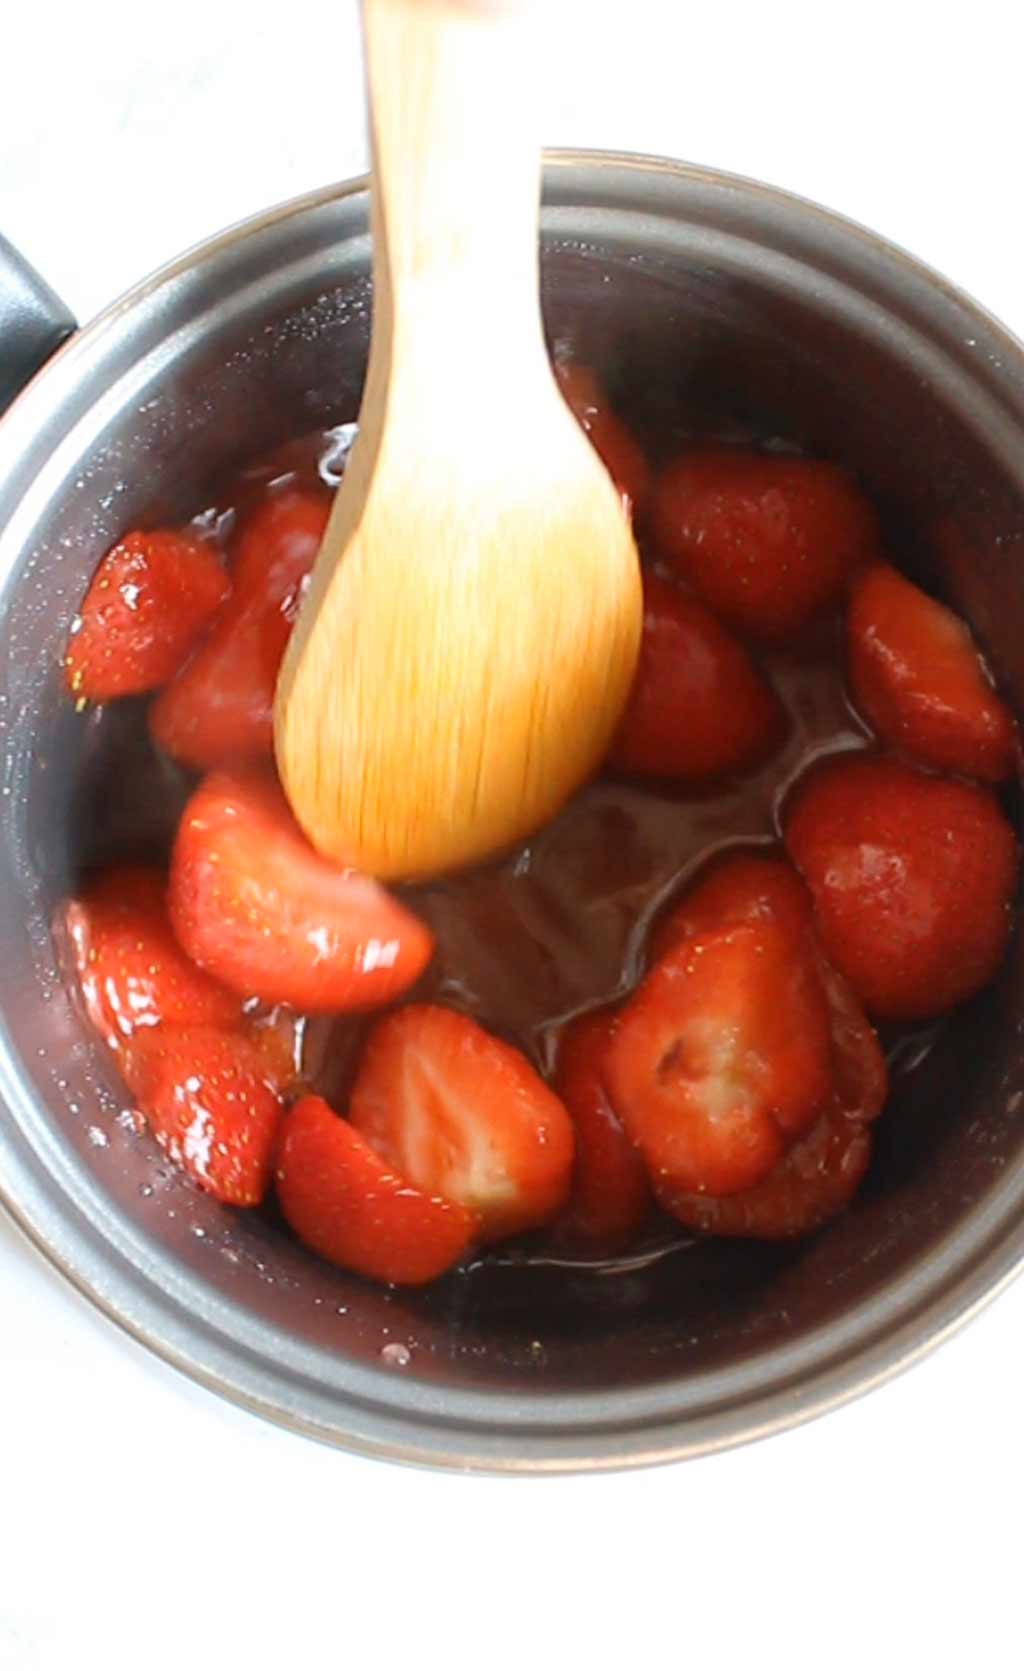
(395, 1355)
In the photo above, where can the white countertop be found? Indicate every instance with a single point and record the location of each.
(144, 1522)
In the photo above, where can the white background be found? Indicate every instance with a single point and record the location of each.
(142, 1521)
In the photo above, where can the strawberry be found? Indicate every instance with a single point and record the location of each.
(346, 1204)
(755, 887)
(132, 972)
(738, 888)
(619, 450)
(611, 1195)
(812, 1182)
(211, 1104)
(220, 707)
(256, 906)
(861, 1077)
(463, 1115)
(723, 1056)
(912, 877)
(147, 604)
(917, 677)
(768, 541)
(820, 1173)
(699, 708)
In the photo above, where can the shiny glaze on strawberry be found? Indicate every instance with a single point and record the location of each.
(561, 926)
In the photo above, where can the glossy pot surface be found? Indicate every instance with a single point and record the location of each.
(681, 285)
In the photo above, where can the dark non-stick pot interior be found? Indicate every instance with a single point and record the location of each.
(706, 303)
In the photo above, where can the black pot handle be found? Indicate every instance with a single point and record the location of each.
(33, 322)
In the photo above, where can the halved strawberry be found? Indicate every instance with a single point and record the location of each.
(132, 972)
(917, 677)
(699, 708)
(858, 1062)
(211, 1104)
(220, 707)
(768, 541)
(346, 1204)
(619, 450)
(820, 1173)
(812, 1182)
(737, 888)
(611, 1195)
(912, 878)
(722, 1057)
(463, 1115)
(253, 903)
(147, 604)
(757, 887)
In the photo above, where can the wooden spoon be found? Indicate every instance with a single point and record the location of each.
(472, 623)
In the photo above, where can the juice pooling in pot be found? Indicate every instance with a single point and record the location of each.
(654, 1021)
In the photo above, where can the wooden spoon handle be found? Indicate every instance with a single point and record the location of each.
(456, 178)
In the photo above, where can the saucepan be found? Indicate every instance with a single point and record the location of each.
(678, 283)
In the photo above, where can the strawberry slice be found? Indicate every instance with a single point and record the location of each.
(722, 1057)
(912, 878)
(813, 1181)
(754, 887)
(256, 906)
(819, 1174)
(347, 1205)
(132, 972)
(220, 707)
(917, 677)
(611, 1195)
(739, 888)
(211, 1105)
(617, 448)
(768, 541)
(858, 1062)
(147, 604)
(463, 1115)
(699, 708)
(822, 1170)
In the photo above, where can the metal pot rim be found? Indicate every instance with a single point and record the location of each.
(872, 1342)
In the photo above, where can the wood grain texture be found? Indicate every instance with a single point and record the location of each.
(472, 624)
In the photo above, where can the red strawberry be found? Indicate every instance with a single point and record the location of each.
(820, 1173)
(220, 707)
(211, 1104)
(751, 888)
(918, 679)
(463, 1115)
(739, 888)
(768, 541)
(861, 1076)
(912, 877)
(699, 708)
(253, 903)
(722, 1057)
(342, 1200)
(812, 1182)
(146, 606)
(132, 971)
(611, 1195)
(617, 448)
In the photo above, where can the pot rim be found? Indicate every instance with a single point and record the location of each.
(868, 1346)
